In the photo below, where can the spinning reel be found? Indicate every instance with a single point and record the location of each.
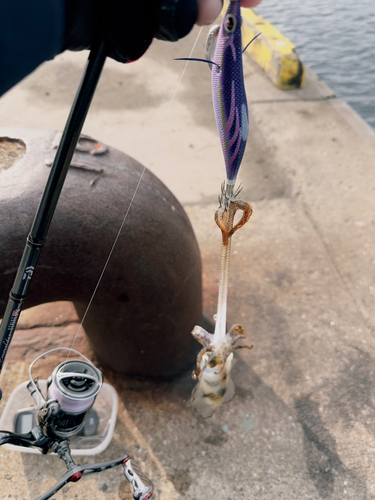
(64, 421)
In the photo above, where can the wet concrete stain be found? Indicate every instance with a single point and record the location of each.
(322, 461)
(324, 466)
(269, 319)
(283, 278)
(181, 480)
(352, 399)
(116, 90)
(217, 437)
(246, 424)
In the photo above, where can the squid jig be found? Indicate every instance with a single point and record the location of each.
(224, 57)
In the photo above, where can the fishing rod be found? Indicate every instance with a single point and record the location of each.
(66, 407)
(39, 229)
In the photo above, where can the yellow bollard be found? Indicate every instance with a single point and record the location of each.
(272, 51)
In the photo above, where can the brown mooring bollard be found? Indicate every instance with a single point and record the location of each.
(150, 296)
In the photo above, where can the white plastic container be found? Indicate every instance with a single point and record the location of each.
(106, 406)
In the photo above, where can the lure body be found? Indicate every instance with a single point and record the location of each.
(228, 91)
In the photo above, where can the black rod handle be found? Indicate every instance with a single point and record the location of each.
(50, 197)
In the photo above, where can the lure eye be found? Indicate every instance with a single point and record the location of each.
(230, 23)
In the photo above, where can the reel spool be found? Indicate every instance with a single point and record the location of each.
(74, 384)
(72, 388)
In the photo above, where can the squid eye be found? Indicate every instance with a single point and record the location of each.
(230, 23)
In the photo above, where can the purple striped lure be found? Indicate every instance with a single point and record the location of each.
(228, 91)
(228, 88)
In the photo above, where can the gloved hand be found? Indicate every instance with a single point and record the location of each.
(130, 25)
(34, 32)
(127, 25)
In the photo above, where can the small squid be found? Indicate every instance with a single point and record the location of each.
(214, 360)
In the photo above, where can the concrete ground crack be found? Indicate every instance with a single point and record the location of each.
(317, 231)
(307, 99)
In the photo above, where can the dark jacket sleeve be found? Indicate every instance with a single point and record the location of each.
(31, 32)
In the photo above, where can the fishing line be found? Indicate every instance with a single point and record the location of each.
(130, 204)
(108, 258)
(183, 72)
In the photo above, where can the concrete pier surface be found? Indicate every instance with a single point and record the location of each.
(302, 283)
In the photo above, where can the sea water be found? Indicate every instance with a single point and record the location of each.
(336, 40)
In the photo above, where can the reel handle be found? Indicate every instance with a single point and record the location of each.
(142, 487)
(137, 480)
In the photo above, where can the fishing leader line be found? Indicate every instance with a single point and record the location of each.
(163, 120)
(108, 259)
